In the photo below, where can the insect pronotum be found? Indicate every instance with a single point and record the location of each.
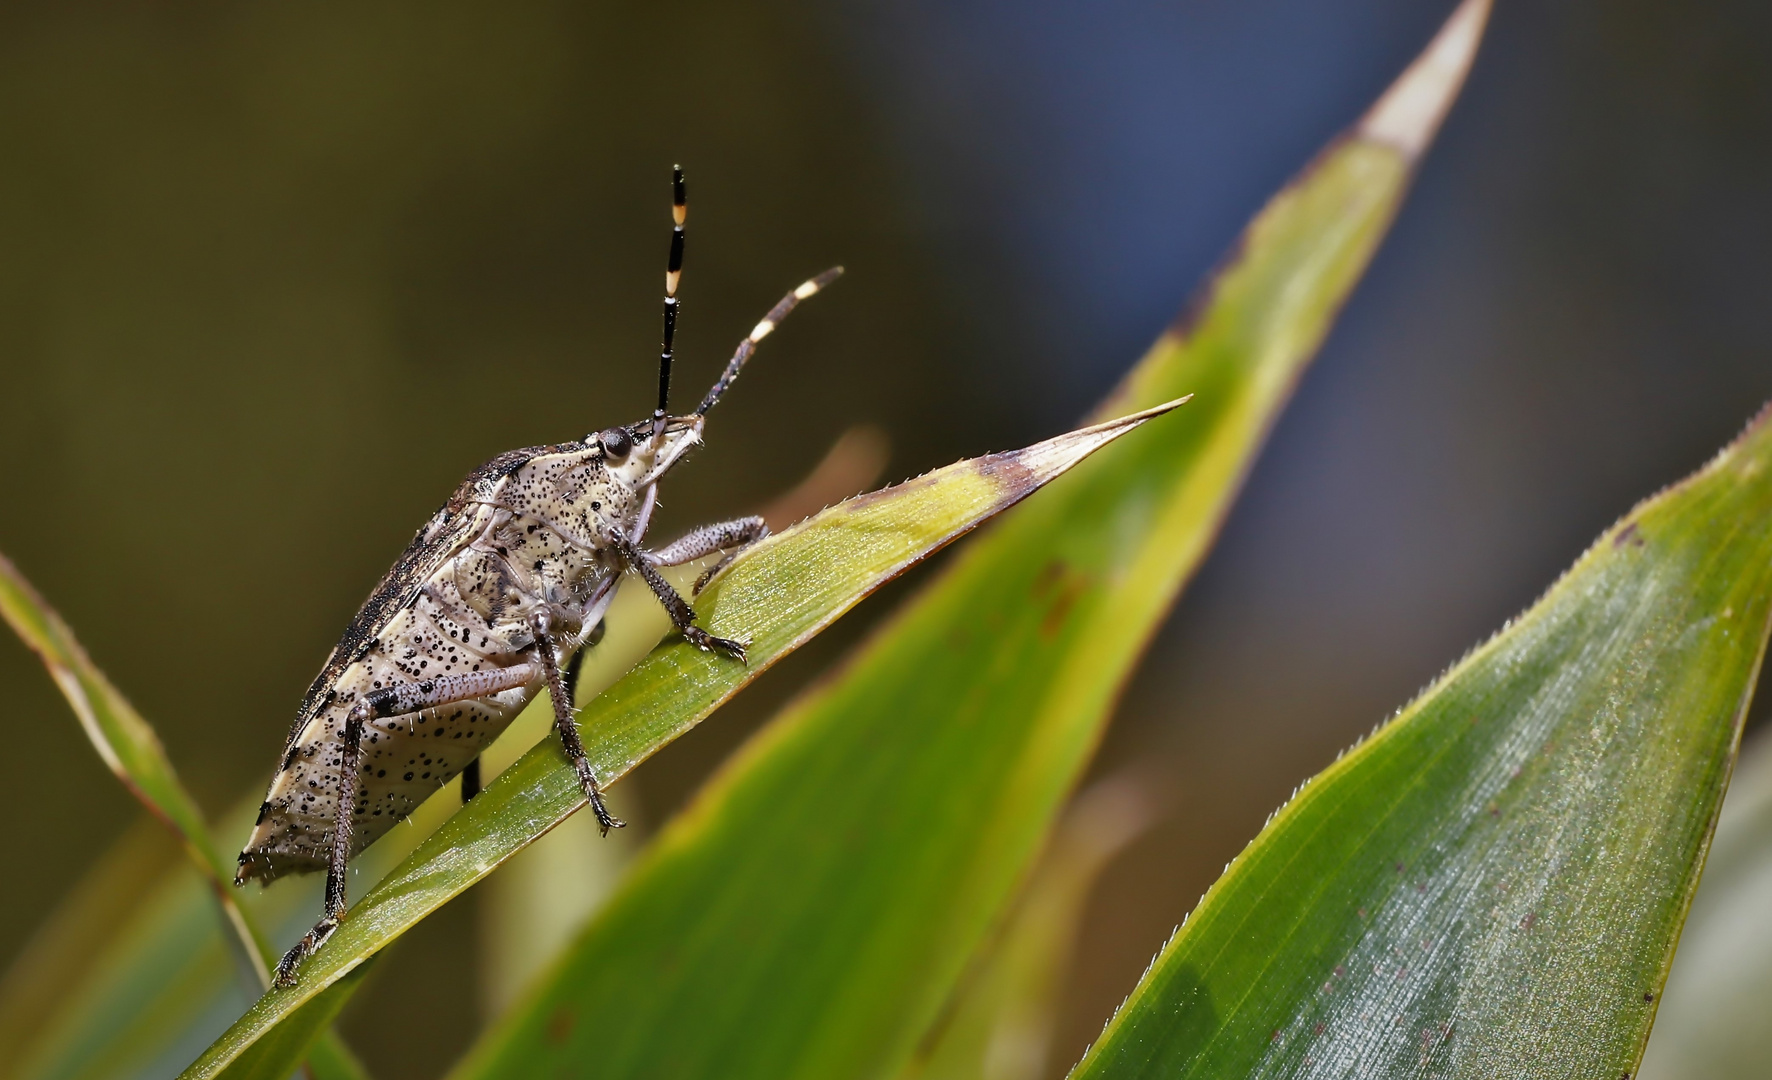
(494, 599)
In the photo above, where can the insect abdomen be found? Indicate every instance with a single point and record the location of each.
(404, 759)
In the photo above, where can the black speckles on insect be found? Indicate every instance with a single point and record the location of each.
(456, 602)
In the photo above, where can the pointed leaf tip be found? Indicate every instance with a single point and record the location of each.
(1409, 113)
(1045, 460)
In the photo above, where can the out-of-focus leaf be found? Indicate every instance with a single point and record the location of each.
(779, 594)
(853, 464)
(121, 736)
(1492, 885)
(812, 912)
(125, 742)
(1711, 1024)
(68, 959)
(153, 984)
(1000, 1028)
(93, 994)
(135, 756)
(542, 896)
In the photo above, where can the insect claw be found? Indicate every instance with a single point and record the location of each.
(605, 820)
(306, 947)
(707, 642)
(734, 649)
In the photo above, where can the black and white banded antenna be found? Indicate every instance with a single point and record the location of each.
(673, 275)
(762, 330)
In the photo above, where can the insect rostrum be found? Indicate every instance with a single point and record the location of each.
(497, 593)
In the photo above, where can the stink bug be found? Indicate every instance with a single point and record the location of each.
(494, 599)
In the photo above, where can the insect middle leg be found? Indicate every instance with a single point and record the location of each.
(560, 695)
(379, 705)
(731, 537)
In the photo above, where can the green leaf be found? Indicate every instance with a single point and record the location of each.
(1711, 1023)
(72, 1004)
(541, 897)
(1000, 1025)
(125, 741)
(779, 594)
(132, 751)
(1493, 883)
(812, 913)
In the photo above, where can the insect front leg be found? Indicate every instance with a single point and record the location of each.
(379, 705)
(682, 615)
(731, 537)
(561, 696)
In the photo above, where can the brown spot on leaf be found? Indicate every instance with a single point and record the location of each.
(1067, 597)
(560, 1025)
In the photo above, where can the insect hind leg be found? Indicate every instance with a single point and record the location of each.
(340, 854)
(379, 705)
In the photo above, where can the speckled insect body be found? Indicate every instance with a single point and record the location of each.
(494, 599)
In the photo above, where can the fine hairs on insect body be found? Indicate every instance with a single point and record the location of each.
(496, 597)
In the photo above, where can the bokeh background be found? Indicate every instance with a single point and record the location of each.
(275, 276)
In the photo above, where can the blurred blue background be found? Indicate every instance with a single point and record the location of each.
(276, 277)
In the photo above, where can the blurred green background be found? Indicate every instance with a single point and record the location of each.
(274, 277)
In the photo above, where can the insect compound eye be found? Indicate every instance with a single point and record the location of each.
(617, 443)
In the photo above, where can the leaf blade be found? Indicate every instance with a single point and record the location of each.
(1501, 872)
(1709, 1021)
(123, 739)
(1000, 1024)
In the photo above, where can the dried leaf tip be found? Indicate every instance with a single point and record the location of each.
(1111, 429)
(1409, 113)
(1042, 461)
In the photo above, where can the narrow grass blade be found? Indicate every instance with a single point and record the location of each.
(125, 741)
(271, 1057)
(813, 911)
(133, 752)
(778, 594)
(1711, 1024)
(1492, 885)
